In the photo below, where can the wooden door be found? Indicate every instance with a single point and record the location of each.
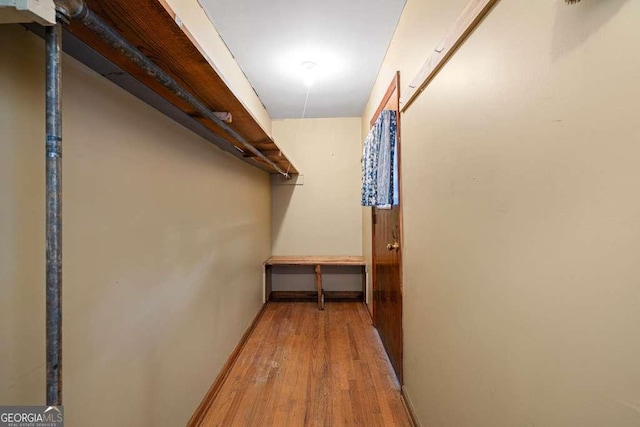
(387, 257)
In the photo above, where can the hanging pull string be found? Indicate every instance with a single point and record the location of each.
(306, 101)
(304, 112)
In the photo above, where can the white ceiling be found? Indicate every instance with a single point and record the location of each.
(270, 40)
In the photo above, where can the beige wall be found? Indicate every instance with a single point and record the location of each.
(164, 235)
(196, 24)
(322, 216)
(522, 303)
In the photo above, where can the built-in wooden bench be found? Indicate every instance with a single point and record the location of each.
(318, 262)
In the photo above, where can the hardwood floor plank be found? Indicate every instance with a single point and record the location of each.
(304, 367)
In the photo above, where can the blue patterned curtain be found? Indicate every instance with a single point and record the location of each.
(379, 163)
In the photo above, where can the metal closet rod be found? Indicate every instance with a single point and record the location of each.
(78, 11)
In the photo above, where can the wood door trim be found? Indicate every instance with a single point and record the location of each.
(394, 88)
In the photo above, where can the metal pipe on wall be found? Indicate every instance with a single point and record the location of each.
(66, 10)
(53, 42)
(77, 10)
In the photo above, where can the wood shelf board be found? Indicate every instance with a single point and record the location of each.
(473, 13)
(150, 26)
(316, 260)
(313, 295)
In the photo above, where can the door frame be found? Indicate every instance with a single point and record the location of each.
(392, 95)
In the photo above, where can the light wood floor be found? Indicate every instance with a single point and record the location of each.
(302, 366)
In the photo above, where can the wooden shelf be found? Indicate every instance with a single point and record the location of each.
(150, 26)
(316, 260)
